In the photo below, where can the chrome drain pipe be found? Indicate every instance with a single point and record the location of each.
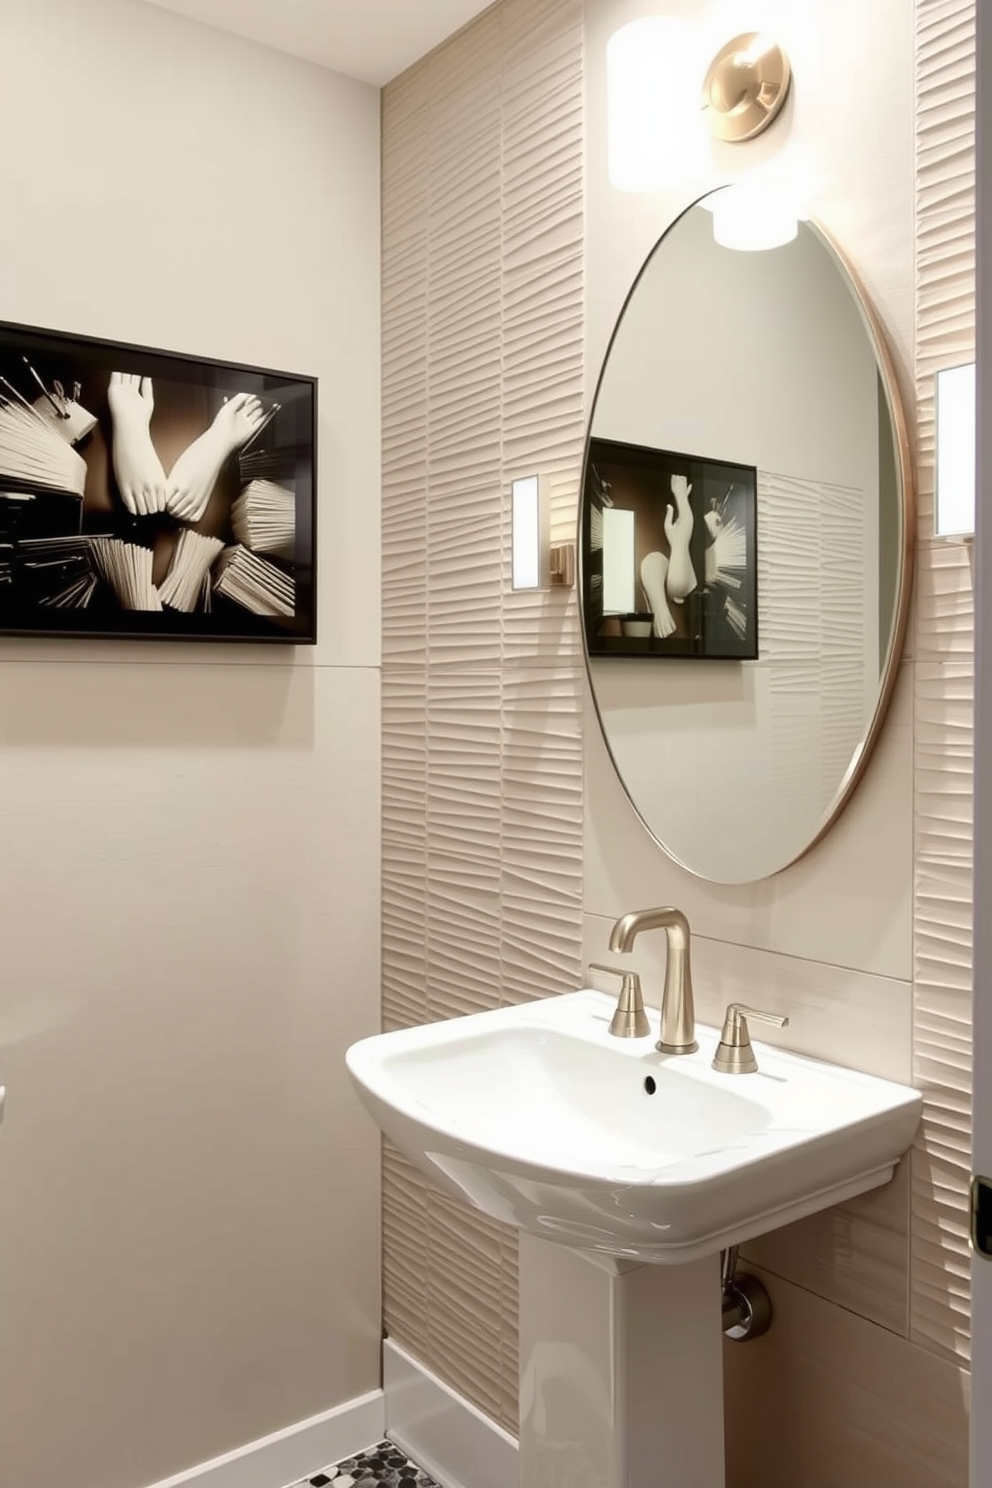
(747, 1308)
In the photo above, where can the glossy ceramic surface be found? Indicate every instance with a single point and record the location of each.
(536, 1116)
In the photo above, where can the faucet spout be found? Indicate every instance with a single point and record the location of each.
(678, 1018)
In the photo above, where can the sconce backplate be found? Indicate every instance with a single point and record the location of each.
(746, 86)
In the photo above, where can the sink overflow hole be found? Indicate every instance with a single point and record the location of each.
(649, 1085)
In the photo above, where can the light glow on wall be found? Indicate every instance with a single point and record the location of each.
(954, 439)
(655, 129)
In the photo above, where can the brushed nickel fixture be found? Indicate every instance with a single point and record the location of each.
(678, 1018)
(630, 1020)
(734, 1054)
(746, 86)
(747, 1308)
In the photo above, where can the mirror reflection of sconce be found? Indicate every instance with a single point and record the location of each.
(618, 561)
(536, 562)
(751, 218)
(954, 448)
(653, 114)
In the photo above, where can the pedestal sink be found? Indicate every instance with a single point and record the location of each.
(536, 1116)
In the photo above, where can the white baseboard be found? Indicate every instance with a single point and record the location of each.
(440, 1430)
(288, 1455)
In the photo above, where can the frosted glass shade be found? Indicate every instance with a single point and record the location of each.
(955, 434)
(531, 523)
(752, 220)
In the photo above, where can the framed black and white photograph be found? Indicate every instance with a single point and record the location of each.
(669, 554)
(151, 494)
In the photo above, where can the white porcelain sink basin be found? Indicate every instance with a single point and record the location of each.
(537, 1116)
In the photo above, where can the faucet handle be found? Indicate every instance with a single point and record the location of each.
(630, 1020)
(734, 1054)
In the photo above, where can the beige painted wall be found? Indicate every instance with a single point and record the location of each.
(190, 862)
(865, 942)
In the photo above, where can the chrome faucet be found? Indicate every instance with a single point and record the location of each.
(678, 1018)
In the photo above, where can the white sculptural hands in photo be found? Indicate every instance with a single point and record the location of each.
(679, 521)
(137, 468)
(654, 571)
(194, 475)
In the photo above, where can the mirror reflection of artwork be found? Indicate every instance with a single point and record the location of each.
(788, 375)
(669, 554)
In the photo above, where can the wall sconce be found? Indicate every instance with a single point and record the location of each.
(746, 87)
(536, 562)
(954, 446)
(655, 124)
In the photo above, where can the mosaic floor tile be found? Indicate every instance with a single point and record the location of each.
(382, 1466)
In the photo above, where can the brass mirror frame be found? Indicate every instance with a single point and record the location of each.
(907, 558)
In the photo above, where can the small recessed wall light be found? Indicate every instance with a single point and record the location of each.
(537, 563)
(954, 443)
(531, 514)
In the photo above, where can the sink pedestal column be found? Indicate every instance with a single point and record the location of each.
(621, 1371)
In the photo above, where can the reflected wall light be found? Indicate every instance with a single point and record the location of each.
(954, 444)
(537, 563)
(618, 561)
(749, 218)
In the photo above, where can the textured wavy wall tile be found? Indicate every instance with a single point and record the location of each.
(542, 832)
(940, 1262)
(945, 270)
(945, 601)
(503, 391)
(463, 869)
(483, 380)
(404, 1243)
(941, 1160)
(404, 847)
(404, 380)
(532, 31)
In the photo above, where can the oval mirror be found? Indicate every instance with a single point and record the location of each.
(746, 541)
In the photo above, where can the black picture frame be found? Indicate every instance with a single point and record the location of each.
(714, 614)
(154, 495)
